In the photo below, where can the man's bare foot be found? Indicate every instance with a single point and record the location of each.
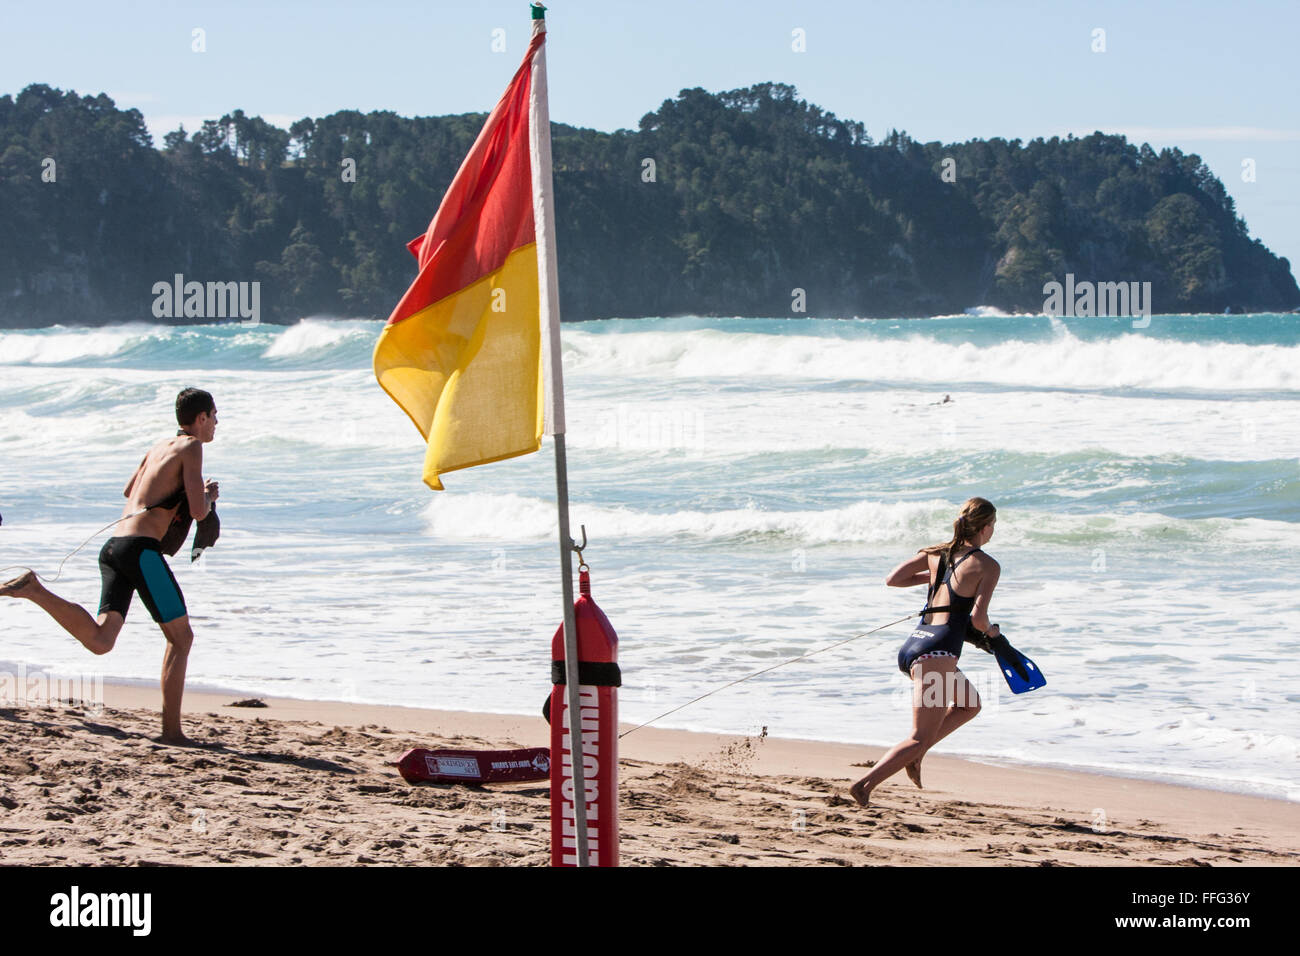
(914, 773)
(176, 740)
(18, 585)
(860, 793)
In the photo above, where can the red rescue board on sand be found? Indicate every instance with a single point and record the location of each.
(475, 766)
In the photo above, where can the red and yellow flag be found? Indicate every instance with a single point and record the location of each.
(462, 353)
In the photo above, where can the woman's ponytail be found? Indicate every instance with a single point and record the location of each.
(976, 514)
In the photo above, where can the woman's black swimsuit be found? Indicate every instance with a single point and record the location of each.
(946, 637)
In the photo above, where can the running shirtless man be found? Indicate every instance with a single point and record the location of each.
(133, 562)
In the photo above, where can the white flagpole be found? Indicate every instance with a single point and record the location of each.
(553, 407)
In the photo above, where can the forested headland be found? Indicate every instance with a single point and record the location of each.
(717, 204)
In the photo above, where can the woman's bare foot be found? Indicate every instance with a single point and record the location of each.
(18, 585)
(860, 793)
(176, 740)
(914, 773)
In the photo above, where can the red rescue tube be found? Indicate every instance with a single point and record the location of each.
(474, 766)
(598, 732)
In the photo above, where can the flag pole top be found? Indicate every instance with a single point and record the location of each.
(539, 11)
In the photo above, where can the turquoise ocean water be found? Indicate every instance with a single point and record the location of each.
(746, 484)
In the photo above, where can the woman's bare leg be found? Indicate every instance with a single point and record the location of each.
(962, 708)
(929, 707)
(98, 635)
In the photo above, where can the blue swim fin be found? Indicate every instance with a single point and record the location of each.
(1021, 673)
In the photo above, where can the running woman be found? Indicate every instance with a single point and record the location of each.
(961, 579)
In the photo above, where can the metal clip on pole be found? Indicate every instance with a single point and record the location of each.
(582, 565)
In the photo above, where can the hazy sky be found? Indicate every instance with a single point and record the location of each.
(1218, 79)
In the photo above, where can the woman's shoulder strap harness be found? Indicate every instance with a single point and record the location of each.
(942, 577)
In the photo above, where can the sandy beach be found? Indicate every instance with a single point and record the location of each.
(313, 783)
